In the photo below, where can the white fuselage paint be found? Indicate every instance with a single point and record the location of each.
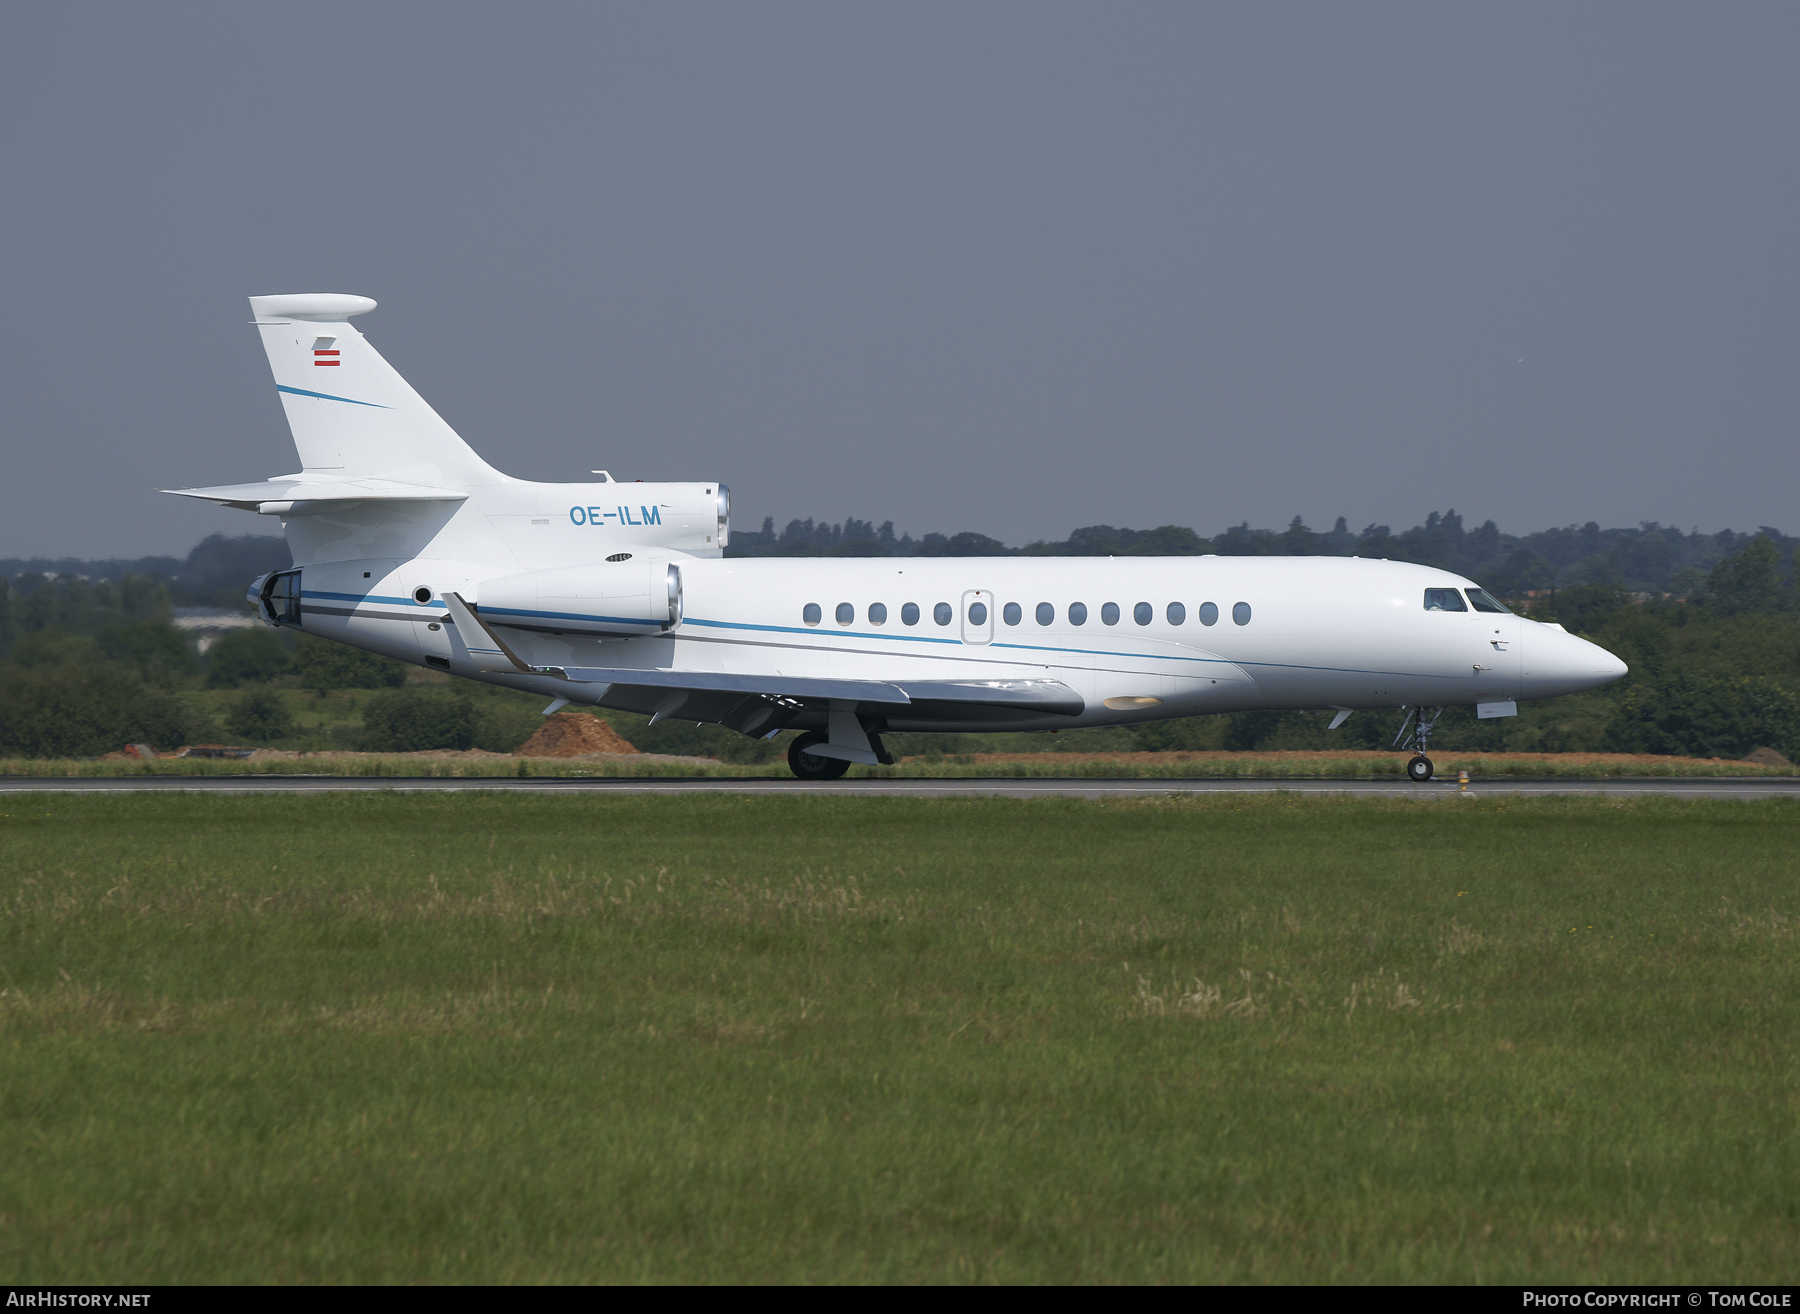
(1323, 632)
(393, 511)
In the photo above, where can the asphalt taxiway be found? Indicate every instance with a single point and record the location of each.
(937, 787)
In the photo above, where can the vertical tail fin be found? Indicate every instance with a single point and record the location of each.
(351, 413)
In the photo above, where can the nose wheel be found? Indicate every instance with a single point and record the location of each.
(1419, 769)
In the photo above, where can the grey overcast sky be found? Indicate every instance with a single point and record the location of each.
(1010, 267)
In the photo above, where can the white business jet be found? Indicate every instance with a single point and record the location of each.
(408, 544)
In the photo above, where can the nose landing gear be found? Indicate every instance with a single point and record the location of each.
(1419, 769)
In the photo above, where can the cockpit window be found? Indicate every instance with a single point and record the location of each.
(1482, 600)
(1444, 600)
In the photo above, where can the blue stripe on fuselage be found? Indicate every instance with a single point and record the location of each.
(370, 597)
(864, 634)
(566, 616)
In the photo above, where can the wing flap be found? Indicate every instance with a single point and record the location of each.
(780, 686)
(1045, 697)
(1051, 697)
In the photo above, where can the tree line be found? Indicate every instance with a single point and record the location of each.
(89, 664)
(1647, 558)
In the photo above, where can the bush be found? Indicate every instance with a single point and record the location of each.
(324, 666)
(1694, 716)
(245, 657)
(501, 727)
(74, 712)
(261, 716)
(55, 648)
(1748, 581)
(156, 648)
(414, 719)
(745, 751)
(1187, 734)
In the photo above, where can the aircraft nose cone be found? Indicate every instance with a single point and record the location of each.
(1595, 663)
(1561, 663)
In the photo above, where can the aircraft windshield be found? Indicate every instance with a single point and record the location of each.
(1485, 601)
(1444, 600)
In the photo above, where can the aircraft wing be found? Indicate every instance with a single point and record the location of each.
(780, 686)
(1044, 696)
(248, 497)
(760, 702)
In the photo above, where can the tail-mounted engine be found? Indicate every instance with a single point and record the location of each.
(627, 594)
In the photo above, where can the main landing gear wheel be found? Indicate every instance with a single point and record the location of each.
(810, 766)
(1419, 769)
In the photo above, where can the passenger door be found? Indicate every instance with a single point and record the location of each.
(977, 616)
(1498, 652)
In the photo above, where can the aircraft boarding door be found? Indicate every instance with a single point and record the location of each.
(977, 616)
(1497, 661)
(1500, 637)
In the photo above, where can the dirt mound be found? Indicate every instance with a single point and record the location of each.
(1766, 757)
(573, 734)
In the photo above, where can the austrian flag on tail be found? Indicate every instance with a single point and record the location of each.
(324, 351)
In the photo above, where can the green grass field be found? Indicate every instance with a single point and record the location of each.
(375, 1038)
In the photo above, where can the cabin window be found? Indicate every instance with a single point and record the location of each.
(1482, 600)
(1109, 613)
(845, 613)
(1143, 613)
(978, 613)
(1176, 613)
(811, 613)
(909, 614)
(1240, 613)
(1012, 614)
(878, 613)
(1078, 613)
(1209, 613)
(1046, 614)
(1444, 600)
(943, 613)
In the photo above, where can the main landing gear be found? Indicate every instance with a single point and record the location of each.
(810, 766)
(1419, 769)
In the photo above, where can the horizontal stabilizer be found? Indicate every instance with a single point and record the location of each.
(252, 497)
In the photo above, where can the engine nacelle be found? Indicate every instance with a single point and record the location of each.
(628, 594)
(692, 518)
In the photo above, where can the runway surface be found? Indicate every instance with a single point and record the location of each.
(1692, 787)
